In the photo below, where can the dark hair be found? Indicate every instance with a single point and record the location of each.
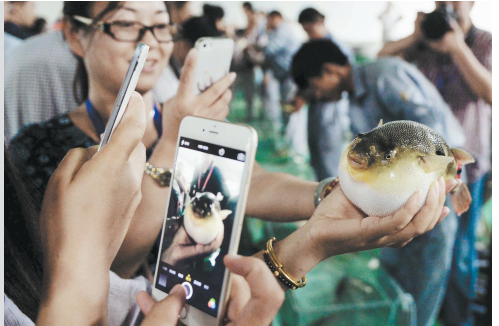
(213, 13)
(23, 271)
(248, 6)
(310, 15)
(308, 61)
(197, 27)
(275, 13)
(84, 8)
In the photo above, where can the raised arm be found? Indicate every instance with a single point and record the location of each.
(396, 48)
(477, 75)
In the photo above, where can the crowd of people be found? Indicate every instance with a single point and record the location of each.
(80, 225)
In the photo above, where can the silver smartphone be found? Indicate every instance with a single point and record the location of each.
(204, 215)
(214, 58)
(128, 86)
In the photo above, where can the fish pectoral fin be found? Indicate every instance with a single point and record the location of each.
(434, 163)
(462, 156)
(224, 213)
(380, 123)
(461, 199)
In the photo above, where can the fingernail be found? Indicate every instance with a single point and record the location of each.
(178, 289)
(232, 76)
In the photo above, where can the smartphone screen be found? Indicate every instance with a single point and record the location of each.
(200, 220)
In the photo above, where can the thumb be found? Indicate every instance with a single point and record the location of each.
(165, 312)
(130, 130)
(145, 302)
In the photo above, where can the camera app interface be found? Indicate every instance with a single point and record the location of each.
(200, 217)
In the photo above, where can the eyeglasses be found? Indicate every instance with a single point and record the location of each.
(130, 31)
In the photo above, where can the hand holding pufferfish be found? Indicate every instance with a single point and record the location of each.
(381, 169)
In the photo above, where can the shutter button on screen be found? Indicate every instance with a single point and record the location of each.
(188, 290)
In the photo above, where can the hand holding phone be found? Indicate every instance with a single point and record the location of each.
(215, 56)
(213, 103)
(258, 307)
(126, 90)
(204, 218)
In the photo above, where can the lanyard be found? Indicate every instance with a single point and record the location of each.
(99, 124)
(207, 178)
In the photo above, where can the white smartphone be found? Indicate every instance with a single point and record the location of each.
(128, 86)
(204, 215)
(214, 58)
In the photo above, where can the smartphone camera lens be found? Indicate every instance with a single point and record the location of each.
(203, 129)
(205, 45)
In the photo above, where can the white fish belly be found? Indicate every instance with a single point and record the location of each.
(388, 193)
(203, 233)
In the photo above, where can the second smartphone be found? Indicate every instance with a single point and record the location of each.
(204, 216)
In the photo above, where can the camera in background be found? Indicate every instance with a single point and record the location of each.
(437, 23)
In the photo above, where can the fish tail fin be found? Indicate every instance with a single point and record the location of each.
(461, 199)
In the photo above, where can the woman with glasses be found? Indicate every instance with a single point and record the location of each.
(103, 37)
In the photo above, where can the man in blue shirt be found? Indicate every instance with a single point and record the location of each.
(279, 87)
(390, 89)
(328, 122)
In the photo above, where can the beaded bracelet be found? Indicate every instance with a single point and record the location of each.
(277, 268)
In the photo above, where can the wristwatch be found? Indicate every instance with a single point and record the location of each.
(160, 175)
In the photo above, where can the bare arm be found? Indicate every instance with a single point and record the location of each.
(478, 77)
(396, 48)
(281, 197)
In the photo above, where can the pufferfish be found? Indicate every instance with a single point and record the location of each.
(203, 218)
(381, 169)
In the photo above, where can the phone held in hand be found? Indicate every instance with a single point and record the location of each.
(128, 86)
(204, 215)
(214, 58)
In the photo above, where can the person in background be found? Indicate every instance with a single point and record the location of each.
(38, 27)
(328, 128)
(192, 29)
(18, 16)
(390, 89)
(180, 11)
(246, 59)
(459, 64)
(38, 81)
(215, 15)
(10, 43)
(279, 88)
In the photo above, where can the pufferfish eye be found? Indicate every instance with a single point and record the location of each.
(439, 152)
(387, 156)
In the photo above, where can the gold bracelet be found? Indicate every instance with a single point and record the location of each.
(277, 268)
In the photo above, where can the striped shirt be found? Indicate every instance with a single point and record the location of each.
(280, 50)
(474, 114)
